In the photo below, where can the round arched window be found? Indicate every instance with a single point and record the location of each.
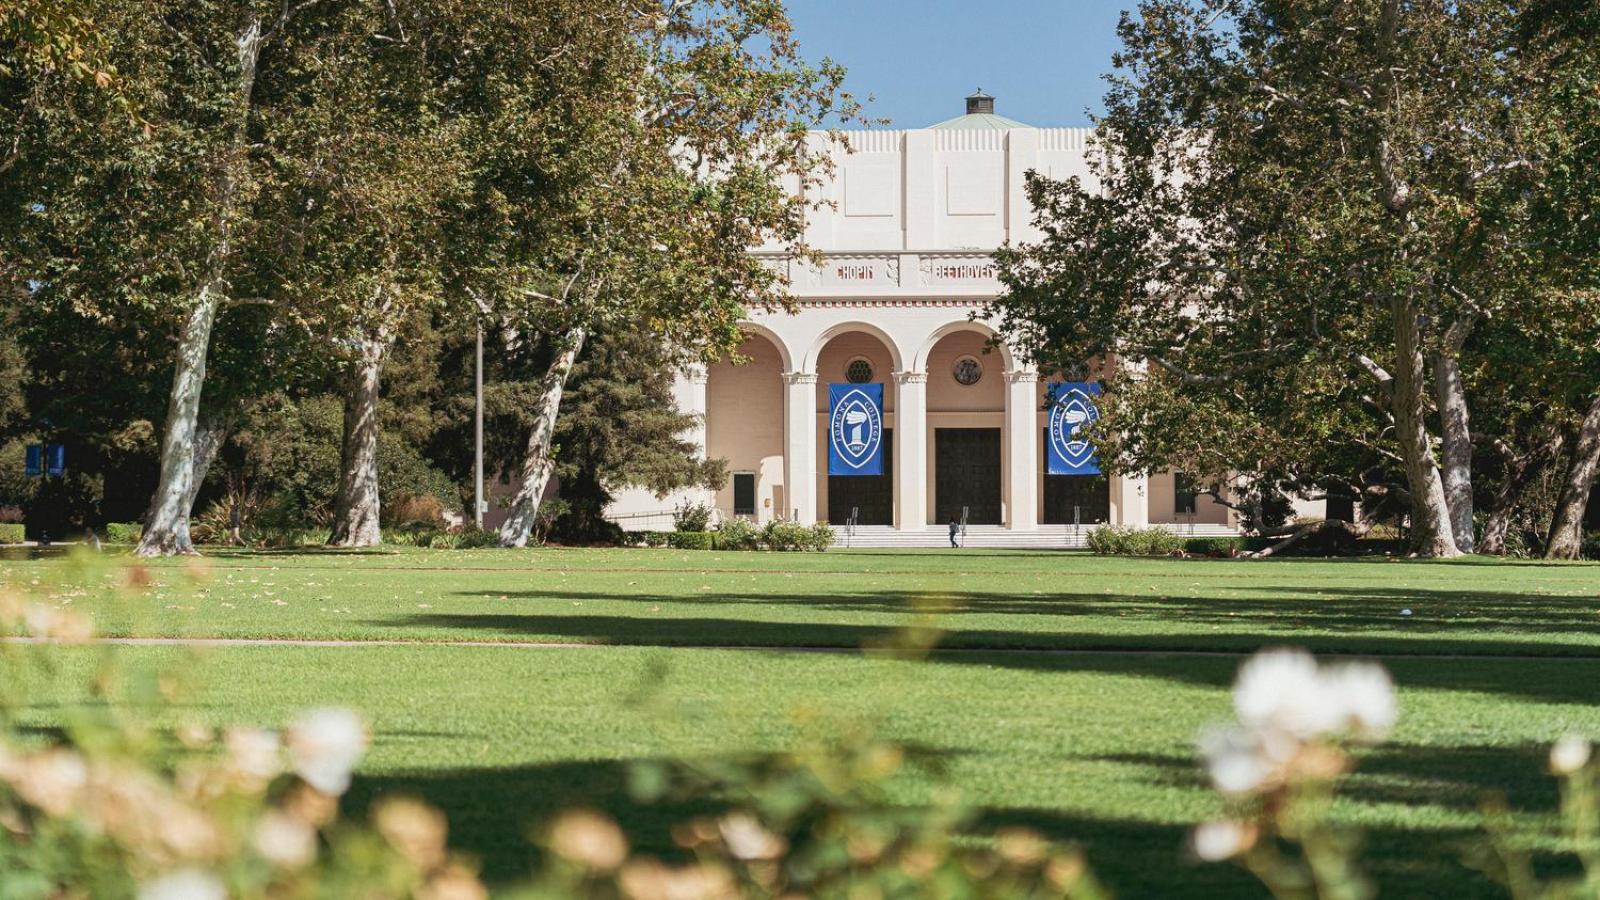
(859, 371)
(968, 370)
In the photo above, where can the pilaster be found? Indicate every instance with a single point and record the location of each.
(911, 450)
(1022, 449)
(800, 446)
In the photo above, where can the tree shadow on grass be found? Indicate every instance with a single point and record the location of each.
(1175, 657)
(493, 811)
(1424, 612)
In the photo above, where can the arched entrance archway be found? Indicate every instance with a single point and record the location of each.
(966, 427)
(853, 356)
(744, 426)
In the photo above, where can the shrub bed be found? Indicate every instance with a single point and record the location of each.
(11, 533)
(738, 534)
(1117, 540)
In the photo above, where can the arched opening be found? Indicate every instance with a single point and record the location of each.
(1068, 499)
(744, 426)
(966, 427)
(852, 356)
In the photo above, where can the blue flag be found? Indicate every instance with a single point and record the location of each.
(55, 457)
(855, 429)
(33, 461)
(1072, 409)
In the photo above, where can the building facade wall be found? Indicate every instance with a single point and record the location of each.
(906, 225)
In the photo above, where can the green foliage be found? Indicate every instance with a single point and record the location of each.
(1119, 540)
(692, 540)
(123, 532)
(1591, 545)
(1386, 187)
(655, 538)
(738, 534)
(691, 517)
(11, 533)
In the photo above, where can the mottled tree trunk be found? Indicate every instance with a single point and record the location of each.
(1431, 533)
(356, 508)
(167, 530)
(1519, 472)
(209, 436)
(1566, 529)
(1456, 469)
(538, 464)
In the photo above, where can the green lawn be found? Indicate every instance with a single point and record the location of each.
(983, 599)
(1091, 747)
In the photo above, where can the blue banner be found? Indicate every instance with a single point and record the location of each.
(33, 461)
(55, 460)
(855, 429)
(1072, 409)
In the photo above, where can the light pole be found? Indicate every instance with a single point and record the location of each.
(477, 427)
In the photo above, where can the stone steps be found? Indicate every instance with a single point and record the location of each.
(1045, 537)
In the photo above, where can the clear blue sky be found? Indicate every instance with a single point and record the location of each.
(1041, 59)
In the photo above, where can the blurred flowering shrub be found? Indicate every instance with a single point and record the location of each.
(812, 822)
(1277, 764)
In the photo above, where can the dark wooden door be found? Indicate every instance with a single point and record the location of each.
(1089, 494)
(966, 470)
(872, 495)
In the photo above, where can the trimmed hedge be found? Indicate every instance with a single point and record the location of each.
(12, 533)
(124, 532)
(654, 538)
(691, 540)
(1214, 546)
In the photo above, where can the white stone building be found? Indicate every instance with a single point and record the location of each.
(914, 217)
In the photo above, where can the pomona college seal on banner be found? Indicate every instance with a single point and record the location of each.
(855, 429)
(1072, 409)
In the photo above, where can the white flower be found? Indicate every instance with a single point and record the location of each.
(747, 840)
(1365, 694)
(53, 781)
(1231, 761)
(1570, 754)
(324, 747)
(1282, 689)
(1218, 841)
(253, 753)
(186, 884)
(284, 840)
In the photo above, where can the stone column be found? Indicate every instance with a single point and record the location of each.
(1133, 500)
(691, 395)
(800, 446)
(911, 451)
(690, 392)
(1022, 449)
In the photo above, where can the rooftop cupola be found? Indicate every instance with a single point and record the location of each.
(980, 116)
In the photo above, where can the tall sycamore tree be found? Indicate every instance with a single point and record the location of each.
(369, 165)
(629, 155)
(1287, 188)
(145, 196)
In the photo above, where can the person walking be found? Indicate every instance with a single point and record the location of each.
(955, 529)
